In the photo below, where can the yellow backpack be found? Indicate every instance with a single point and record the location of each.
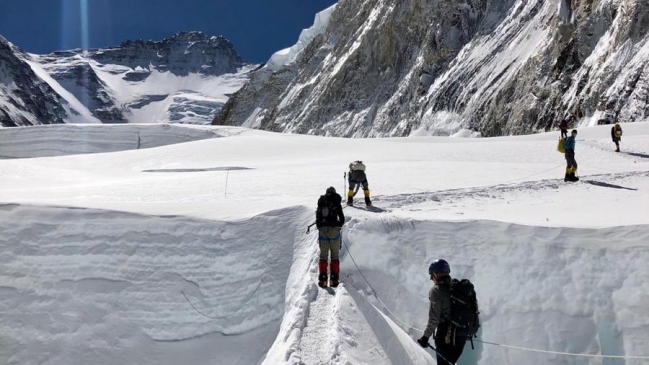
(561, 146)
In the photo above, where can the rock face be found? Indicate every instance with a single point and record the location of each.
(185, 78)
(25, 99)
(182, 54)
(497, 67)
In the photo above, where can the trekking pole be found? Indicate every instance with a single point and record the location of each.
(440, 355)
(309, 227)
(227, 174)
(345, 181)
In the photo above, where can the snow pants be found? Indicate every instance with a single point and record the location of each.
(571, 163)
(329, 239)
(448, 353)
(354, 183)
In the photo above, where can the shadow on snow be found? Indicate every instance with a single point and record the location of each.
(608, 185)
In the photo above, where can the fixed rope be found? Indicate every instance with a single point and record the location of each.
(374, 291)
(563, 353)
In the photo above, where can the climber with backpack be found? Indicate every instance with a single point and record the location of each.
(563, 126)
(571, 163)
(453, 317)
(357, 178)
(616, 136)
(329, 221)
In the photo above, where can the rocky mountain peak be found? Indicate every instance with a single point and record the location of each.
(404, 67)
(182, 53)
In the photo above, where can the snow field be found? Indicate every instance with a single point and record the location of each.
(96, 250)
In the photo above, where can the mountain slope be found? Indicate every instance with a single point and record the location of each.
(25, 99)
(397, 67)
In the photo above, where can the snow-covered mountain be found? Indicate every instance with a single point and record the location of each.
(185, 78)
(404, 67)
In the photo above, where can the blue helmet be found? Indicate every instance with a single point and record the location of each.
(439, 266)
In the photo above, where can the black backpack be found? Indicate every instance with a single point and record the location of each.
(465, 316)
(327, 212)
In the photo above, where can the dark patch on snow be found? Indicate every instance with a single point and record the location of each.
(637, 154)
(225, 168)
(607, 185)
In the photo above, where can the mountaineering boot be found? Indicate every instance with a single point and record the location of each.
(322, 280)
(366, 192)
(350, 201)
(573, 178)
(567, 177)
(333, 281)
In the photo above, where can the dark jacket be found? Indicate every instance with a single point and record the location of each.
(330, 211)
(563, 124)
(439, 314)
(615, 137)
(357, 175)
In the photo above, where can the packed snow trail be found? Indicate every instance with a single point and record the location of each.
(322, 327)
(318, 337)
(499, 191)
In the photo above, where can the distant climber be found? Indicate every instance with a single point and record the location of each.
(563, 126)
(357, 178)
(571, 163)
(616, 135)
(449, 337)
(329, 221)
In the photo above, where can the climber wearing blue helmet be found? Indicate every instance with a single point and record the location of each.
(439, 316)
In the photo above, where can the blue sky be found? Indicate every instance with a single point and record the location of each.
(257, 28)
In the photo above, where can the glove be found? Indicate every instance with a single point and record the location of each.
(423, 341)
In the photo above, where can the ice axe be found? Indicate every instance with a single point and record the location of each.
(440, 355)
